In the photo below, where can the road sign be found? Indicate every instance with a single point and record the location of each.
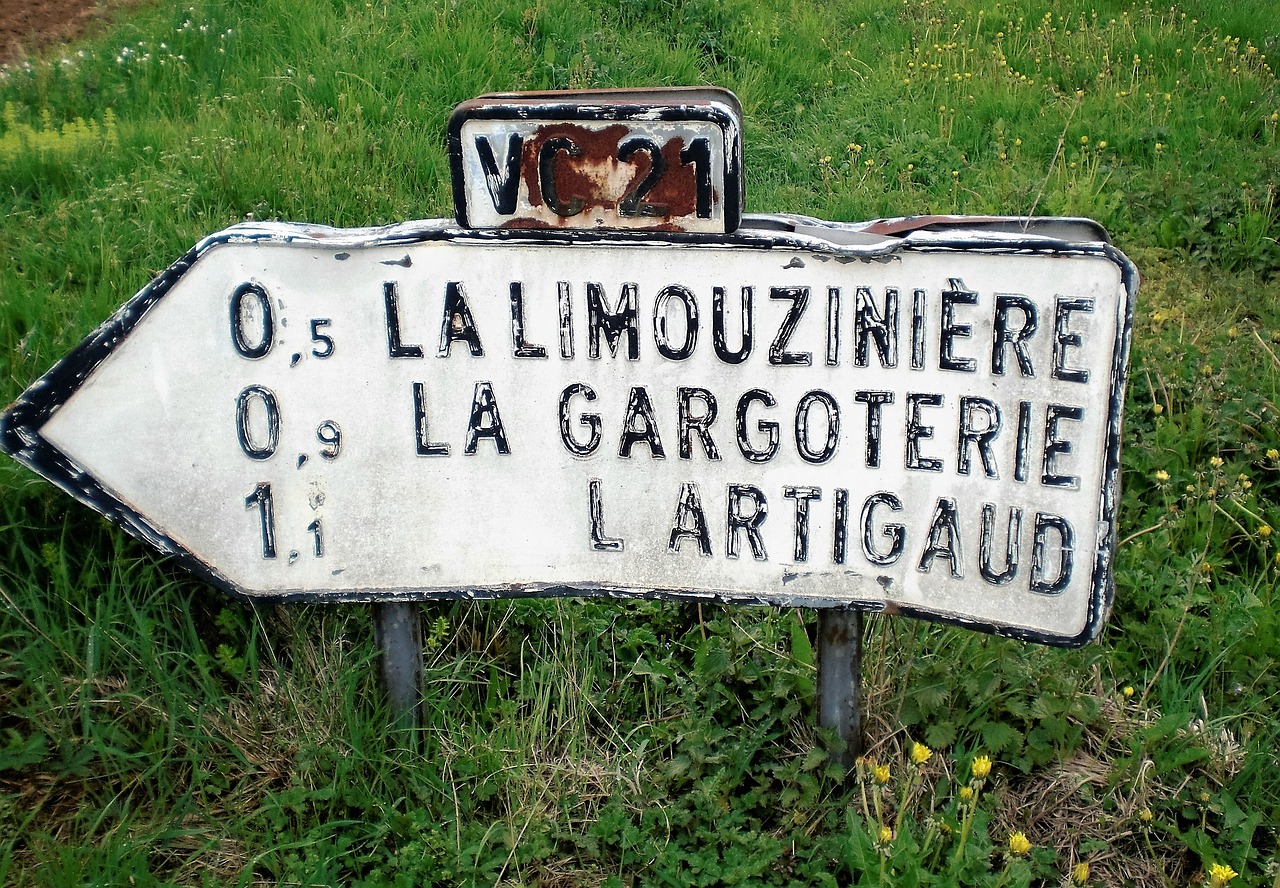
(799, 413)
(655, 159)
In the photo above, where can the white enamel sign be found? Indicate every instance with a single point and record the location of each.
(927, 423)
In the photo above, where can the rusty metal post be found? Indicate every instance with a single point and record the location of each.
(840, 680)
(398, 631)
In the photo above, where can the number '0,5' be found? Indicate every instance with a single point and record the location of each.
(253, 325)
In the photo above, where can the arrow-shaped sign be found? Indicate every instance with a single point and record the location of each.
(797, 413)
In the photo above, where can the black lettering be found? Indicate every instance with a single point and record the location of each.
(1021, 459)
(547, 175)
(261, 497)
(504, 187)
(746, 521)
(324, 339)
(690, 521)
(833, 326)
(485, 420)
(590, 420)
(661, 337)
(520, 348)
(1063, 338)
(896, 533)
(840, 528)
(869, 324)
(1055, 446)
(918, 308)
(613, 323)
(698, 153)
(1004, 334)
(873, 400)
(802, 496)
(317, 539)
(600, 541)
(631, 204)
(254, 449)
(566, 319)
(952, 331)
(718, 326)
(985, 565)
(259, 304)
(330, 437)
(690, 424)
(944, 539)
(770, 429)
(778, 354)
(423, 443)
(971, 434)
(458, 325)
(391, 301)
(804, 410)
(916, 430)
(639, 407)
(1040, 554)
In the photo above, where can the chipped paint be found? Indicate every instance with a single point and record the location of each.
(282, 257)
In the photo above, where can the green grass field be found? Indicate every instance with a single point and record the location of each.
(153, 732)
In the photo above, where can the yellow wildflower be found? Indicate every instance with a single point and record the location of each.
(886, 835)
(966, 793)
(880, 774)
(1264, 530)
(1162, 476)
(1080, 873)
(1215, 461)
(1220, 874)
(1128, 691)
(981, 766)
(1157, 409)
(1273, 453)
(1146, 816)
(1019, 845)
(920, 753)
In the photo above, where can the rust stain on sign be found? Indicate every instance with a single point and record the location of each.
(610, 170)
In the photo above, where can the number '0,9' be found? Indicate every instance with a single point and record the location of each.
(260, 437)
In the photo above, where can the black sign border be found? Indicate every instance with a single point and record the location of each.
(21, 423)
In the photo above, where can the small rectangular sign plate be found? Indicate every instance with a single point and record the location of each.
(928, 424)
(659, 159)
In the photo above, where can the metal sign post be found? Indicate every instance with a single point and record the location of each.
(921, 415)
(398, 632)
(840, 680)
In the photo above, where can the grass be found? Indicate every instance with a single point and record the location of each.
(153, 733)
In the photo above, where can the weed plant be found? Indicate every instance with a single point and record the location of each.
(153, 733)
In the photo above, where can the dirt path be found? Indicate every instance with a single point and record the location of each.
(27, 26)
